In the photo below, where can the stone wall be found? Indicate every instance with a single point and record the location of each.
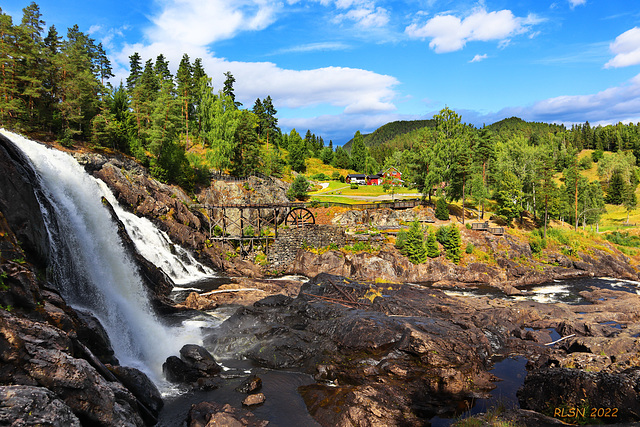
(283, 251)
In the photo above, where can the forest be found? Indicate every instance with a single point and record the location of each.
(184, 130)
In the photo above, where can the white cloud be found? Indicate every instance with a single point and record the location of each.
(626, 47)
(612, 105)
(449, 33)
(200, 23)
(366, 17)
(314, 47)
(479, 58)
(575, 3)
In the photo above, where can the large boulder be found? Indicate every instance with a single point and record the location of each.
(194, 363)
(34, 406)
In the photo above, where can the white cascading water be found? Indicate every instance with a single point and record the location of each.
(92, 269)
(155, 246)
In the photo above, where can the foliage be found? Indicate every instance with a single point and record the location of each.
(433, 251)
(299, 188)
(623, 239)
(414, 246)
(453, 243)
(469, 248)
(401, 240)
(442, 209)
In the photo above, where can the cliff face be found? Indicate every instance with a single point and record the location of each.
(53, 359)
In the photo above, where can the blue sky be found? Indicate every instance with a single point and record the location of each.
(338, 66)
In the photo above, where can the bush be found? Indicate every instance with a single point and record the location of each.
(319, 177)
(433, 251)
(336, 176)
(442, 209)
(248, 231)
(442, 235)
(401, 239)
(454, 241)
(416, 251)
(469, 248)
(354, 186)
(585, 163)
(597, 155)
(298, 189)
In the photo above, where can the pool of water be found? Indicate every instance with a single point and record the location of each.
(511, 371)
(283, 407)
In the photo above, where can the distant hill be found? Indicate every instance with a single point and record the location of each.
(506, 128)
(390, 131)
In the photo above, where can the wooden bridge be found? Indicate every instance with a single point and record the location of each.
(235, 221)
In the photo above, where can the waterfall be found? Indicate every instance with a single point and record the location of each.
(155, 246)
(91, 267)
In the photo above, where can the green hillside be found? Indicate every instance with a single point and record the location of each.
(390, 131)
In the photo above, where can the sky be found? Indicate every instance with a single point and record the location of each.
(339, 66)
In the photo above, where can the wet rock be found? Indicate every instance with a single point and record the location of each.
(213, 414)
(199, 358)
(254, 399)
(30, 406)
(141, 386)
(19, 204)
(250, 385)
(195, 362)
(545, 390)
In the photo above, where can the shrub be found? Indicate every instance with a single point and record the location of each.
(319, 177)
(442, 209)
(597, 155)
(469, 248)
(248, 231)
(336, 176)
(416, 251)
(442, 235)
(433, 251)
(354, 186)
(454, 241)
(401, 239)
(298, 189)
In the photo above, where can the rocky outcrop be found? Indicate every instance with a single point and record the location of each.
(52, 358)
(19, 204)
(213, 414)
(513, 266)
(390, 354)
(170, 208)
(194, 365)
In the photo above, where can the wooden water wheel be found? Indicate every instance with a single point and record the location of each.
(299, 217)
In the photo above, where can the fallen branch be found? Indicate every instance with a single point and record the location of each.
(561, 339)
(219, 291)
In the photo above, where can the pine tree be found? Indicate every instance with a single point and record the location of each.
(414, 245)
(433, 251)
(359, 153)
(453, 244)
(246, 157)
(297, 152)
(9, 101)
(135, 70)
(184, 77)
(29, 72)
(442, 209)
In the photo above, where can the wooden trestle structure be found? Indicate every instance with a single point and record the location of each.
(254, 222)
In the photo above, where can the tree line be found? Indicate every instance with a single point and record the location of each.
(520, 167)
(179, 126)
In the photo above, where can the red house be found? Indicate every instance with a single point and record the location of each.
(392, 176)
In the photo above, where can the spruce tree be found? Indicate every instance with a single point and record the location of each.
(433, 251)
(453, 244)
(442, 209)
(416, 251)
